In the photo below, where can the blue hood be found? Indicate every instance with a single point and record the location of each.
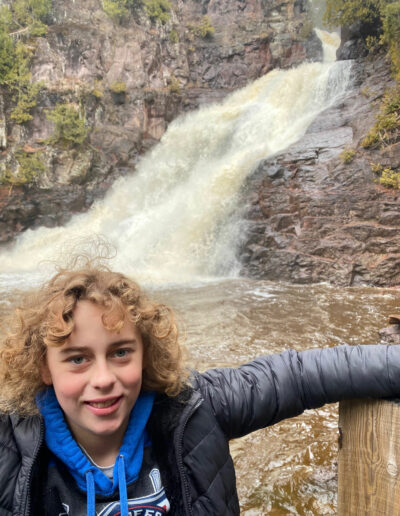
(60, 441)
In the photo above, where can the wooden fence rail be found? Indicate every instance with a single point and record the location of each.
(369, 458)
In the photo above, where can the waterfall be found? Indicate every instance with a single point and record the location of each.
(168, 219)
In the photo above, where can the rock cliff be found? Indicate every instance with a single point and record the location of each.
(128, 80)
(312, 217)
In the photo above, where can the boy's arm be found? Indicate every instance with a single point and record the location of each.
(275, 387)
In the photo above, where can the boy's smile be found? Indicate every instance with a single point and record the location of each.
(97, 377)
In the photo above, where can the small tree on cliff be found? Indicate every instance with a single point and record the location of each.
(6, 54)
(27, 17)
(379, 18)
(70, 128)
(347, 12)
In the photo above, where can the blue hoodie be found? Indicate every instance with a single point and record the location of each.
(87, 476)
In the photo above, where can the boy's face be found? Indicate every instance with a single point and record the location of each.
(97, 376)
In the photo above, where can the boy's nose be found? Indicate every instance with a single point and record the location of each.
(102, 376)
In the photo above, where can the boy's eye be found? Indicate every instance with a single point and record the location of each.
(77, 360)
(121, 353)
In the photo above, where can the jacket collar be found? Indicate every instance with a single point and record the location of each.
(166, 422)
(28, 434)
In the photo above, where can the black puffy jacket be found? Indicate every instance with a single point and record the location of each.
(190, 433)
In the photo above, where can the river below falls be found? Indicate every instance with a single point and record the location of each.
(290, 468)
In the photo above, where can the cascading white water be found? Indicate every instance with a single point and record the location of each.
(168, 219)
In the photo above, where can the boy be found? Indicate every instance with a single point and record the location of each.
(100, 418)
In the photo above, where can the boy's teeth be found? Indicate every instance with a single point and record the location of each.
(103, 404)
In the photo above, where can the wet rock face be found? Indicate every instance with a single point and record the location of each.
(391, 334)
(353, 38)
(85, 50)
(312, 218)
(251, 38)
(24, 207)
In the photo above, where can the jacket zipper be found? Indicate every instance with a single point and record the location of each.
(27, 510)
(178, 446)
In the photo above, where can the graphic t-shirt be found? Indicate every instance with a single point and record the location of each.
(146, 496)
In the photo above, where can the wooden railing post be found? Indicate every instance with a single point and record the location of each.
(369, 458)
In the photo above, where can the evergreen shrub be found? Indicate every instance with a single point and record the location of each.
(158, 10)
(174, 86)
(30, 168)
(390, 178)
(69, 127)
(116, 9)
(387, 126)
(28, 17)
(173, 36)
(347, 156)
(118, 87)
(204, 29)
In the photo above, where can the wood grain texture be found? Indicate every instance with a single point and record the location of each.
(369, 458)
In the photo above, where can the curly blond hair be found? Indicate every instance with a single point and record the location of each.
(46, 319)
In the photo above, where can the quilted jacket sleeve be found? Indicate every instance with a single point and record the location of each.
(275, 387)
(9, 465)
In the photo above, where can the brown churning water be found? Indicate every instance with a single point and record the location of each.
(290, 468)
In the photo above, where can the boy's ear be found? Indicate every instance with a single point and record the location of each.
(45, 372)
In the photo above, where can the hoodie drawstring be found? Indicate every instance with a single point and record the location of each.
(123, 497)
(91, 497)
